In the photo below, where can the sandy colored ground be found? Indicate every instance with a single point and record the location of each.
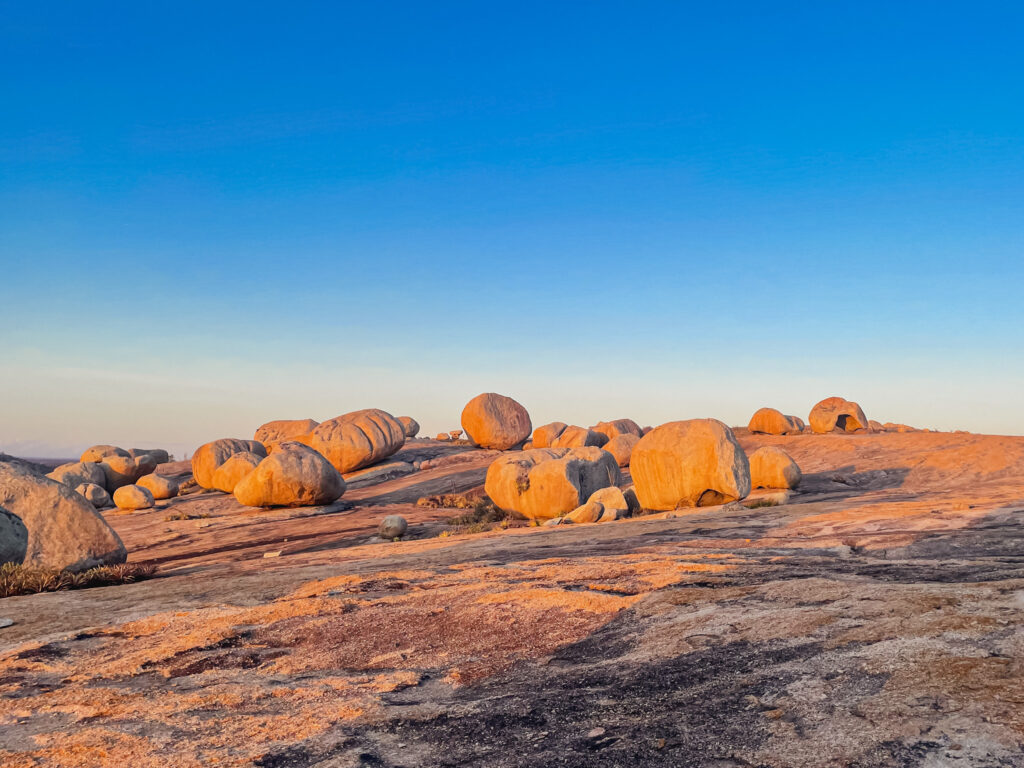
(875, 620)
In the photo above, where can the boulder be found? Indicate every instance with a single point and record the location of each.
(64, 530)
(621, 447)
(13, 538)
(613, 500)
(544, 437)
(632, 502)
(694, 463)
(588, 512)
(455, 434)
(95, 494)
(835, 413)
(79, 472)
(769, 421)
(160, 456)
(293, 476)
(875, 426)
(579, 437)
(618, 427)
(125, 470)
(211, 455)
(410, 425)
(494, 421)
(444, 437)
(549, 482)
(646, 430)
(234, 470)
(392, 527)
(772, 467)
(98, 453)
(133, 497)
(284, 429)
(160, 486)
(356, 440)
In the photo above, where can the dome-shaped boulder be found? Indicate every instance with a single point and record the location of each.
(494, 421)
(293, 476)
(211, 455)
(694, 463)
(125, 470)
(769, 421)
(98, 453)
(579, 437)
(161, 486)
(545, 436)
(616, 427)
(234, 470)
(772, 467)
(284, 429)
(76, 473)
(835, 413)
(358, 439)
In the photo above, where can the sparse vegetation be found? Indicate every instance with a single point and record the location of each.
(18, 579)
(763, 503)
(184, 516)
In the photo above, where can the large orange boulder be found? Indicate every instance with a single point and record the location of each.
(293, 476)
(578, 437)
(772, 467)
(495, 421)
(356, 440)
(769, 421)
(120, 470)
(98, 453)
(616, 427)
(234, 470)
(210, 456)
(545, 436)
(695, 463)
(621, 447)
(549, 482)
(835, 413)
(161, 486)
(284, 429)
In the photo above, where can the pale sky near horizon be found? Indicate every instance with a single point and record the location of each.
(218, 214)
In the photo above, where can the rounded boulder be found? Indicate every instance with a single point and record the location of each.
(616, 427)
(621, 447)
(293, 476)
(160, 486)
(210, 456)
(133, 497)
(545, 436)
(392, 527)
(770, 421)
(410, 425)
(94, 494)
(284, 429)
(358, 439)
(772, 467)
(76, 473)
(693, 463)
(494, 421)
(837, 414)
(237, 468)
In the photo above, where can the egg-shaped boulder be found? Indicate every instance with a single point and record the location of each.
(284, 429)
(770, 421)
(410, 425)
(494, 421)
(621, 447)
(837, 414)
(159, 455)
(693, 463)
(616, 427)
(293, 476)
(161, 486)
(211, 455)
(132, 497)
(772, 467)
(237, 468)
(125, 470)
(95, 494)
(97, 453)
(76, 473)
(358, 439)
(549, 482)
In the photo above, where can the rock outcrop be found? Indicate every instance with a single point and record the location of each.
(237, 468)
(125, 470)
(284, 429)
(772, 467)
(76, 473)
(133, 497)
(392, 527)
(616, 427)
(494, 421)
(769, 421)
(13, 538)
(293, 476)
(356, 440)
(579, 437)
(694, 463)
(621, 447)
(159, 455)
(549, 482)
(835, 413)
(545, 436)
(410, 425)
(64, 530)
(160, 486)
(95, 494)
(210, 456)
(98, 453)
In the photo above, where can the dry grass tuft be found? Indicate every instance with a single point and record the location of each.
(18, 579)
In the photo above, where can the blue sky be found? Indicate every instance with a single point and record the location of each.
(216, 214)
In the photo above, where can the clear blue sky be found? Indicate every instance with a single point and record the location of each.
(215, 214)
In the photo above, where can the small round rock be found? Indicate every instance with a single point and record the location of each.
(393, 527)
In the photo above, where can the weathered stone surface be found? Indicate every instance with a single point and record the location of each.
(544, 437)
(621, 447)
(76, 473)
(579, 437)
(694, 463)
(125, 470)
(549, 482)
(160, 456)
(160, 486)
(588, 512)
(13, 538)
(234, 470)
(95, 494)
(835, 413)
(64, 530)
(133, 497)
(770, 421)
(410, 425)
(100, 452)
(876, 426)
(210, 456)
(613, 500)
(444, 437)
(616, 427)
(293, 476)
(494, 421)
(284, 429)
(393, 527)
(772, 467)
(378, 473)
(358, 439)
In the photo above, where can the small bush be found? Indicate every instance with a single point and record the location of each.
(18, 579)
(763, 503)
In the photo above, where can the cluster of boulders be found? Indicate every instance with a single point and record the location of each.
(126, 478)
(618, 437)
